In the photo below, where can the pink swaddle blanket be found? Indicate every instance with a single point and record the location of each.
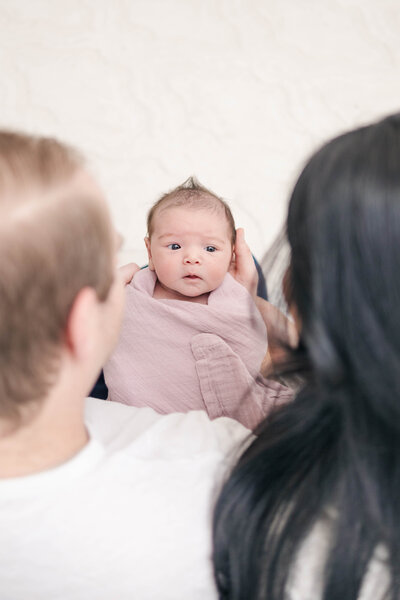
(154, 363)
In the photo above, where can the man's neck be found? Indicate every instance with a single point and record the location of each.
(48, 434)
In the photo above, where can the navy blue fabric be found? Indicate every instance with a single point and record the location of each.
(262, 284)
(100, 389)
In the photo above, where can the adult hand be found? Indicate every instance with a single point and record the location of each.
(243, 268)
(128, 271)
(282, 332)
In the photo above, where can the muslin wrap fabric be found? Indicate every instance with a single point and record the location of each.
(177, 356)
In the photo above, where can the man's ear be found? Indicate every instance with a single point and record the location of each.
(148, 247)
(81, 322)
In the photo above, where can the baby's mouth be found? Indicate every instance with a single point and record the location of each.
(191, 277)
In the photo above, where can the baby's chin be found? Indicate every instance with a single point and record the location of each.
(196, 290)
(179, 292)
(193, 293)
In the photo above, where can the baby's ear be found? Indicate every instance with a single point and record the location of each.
(148, 248)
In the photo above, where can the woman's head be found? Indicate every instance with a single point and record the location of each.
(335, 450)
(343, 227)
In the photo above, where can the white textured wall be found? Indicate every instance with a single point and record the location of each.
(236, 92)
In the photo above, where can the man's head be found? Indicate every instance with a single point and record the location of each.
(190, 241)
(55, 240)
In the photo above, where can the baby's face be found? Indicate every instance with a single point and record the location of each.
(190, 250)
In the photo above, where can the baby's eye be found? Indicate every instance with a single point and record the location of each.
(174, 246)
(210, 248)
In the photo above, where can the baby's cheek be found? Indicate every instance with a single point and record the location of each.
(219, 275)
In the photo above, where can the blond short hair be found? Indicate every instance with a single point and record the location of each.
(54, 241)
(192, 194)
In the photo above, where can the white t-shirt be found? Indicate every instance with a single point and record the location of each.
(129, 517)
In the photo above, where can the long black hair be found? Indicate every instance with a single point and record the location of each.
(336, 449)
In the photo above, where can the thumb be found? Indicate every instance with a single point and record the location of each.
(244, 269)
(128, 271)
(242, 251)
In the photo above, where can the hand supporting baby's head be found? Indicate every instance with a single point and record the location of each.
(190, 242)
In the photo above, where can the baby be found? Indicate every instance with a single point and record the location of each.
(183, 302)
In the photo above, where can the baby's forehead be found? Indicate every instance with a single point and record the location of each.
(192, 223)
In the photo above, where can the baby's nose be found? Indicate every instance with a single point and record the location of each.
(192, 258)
